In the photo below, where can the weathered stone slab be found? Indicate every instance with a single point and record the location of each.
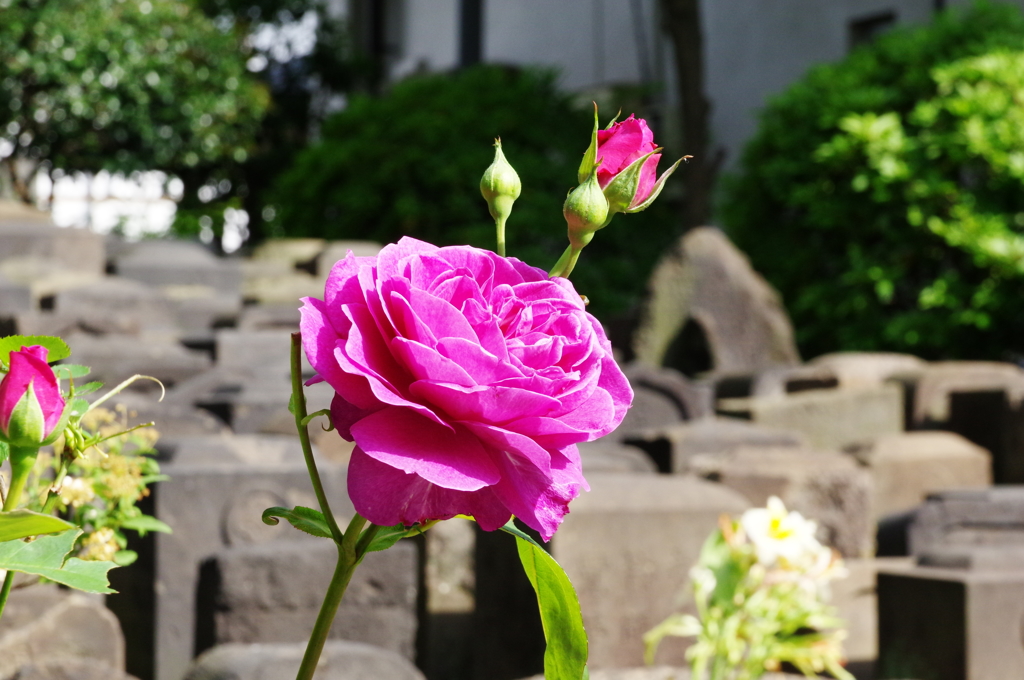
(341, 660)
(257, 596)
(338, 250)
(827, 487)
(45, 625)
(26, 232)
(942, 378)
(950, 624)
(114, 304)
(627, 546)
(179, 263)
(680, 442)
(830, 419)
(15, 298)
(870, 369)
(907, 467)
(662, 673)
(969, 517)
(705, 278)
(71, 669)
(856, 600)
(606, 455)
(283, 315)
(114, 358)
(213, 502)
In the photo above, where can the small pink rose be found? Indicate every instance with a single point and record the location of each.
(31, 404)
(617, 148)
(466, 380)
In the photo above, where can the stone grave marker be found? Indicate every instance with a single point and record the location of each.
(341, 660)
(907, 467)
(705, 278)
(272, 592)
(831, 418)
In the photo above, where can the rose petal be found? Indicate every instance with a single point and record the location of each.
(387, 496)
(483, 403)
(427, 364)
(536, 499)
(453, 459)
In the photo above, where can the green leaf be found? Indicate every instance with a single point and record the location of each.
(387, 537)
(78, 406)
(304, 519)
(47, 557)
(87, 388)
(58, 349)
(123, 558)
(5, 452)
(65, 371)
(22, 523)
(566, 655)
(589, 163)
(145, 523)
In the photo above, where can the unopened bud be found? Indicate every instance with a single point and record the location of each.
(585, 211)
(500, 185)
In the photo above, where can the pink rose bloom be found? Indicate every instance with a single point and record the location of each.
(622, 144)
(31, 404)
(466, 380)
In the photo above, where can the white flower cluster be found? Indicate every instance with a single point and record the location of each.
(785, 542)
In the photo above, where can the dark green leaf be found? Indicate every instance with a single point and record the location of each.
(58, 349)
(387, 537)
(145, 523)
(22, 523)
(47, 557)
(65, 371)
(565, 657)
(304, 519)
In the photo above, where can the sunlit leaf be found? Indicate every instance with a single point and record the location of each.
(47, 557)
(22, 523)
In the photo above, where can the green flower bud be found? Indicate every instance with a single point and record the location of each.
(500, 185)
(586, 210)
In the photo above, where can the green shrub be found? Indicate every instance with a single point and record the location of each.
(884, 195)
(410, 162)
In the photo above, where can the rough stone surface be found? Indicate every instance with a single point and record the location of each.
(906, 468)
(627, 547)
(661, 673)
(830, 419)
(256, 597)
(15, 298)
(707, 279)
(215, 501)
(827, 487)
(606, 455)
(175, 263)
(338, 250)
(115, 304)
(856, 600)
(869, 369)
(42, 624)
(26, 232)
(114, 358)
(970, 517)
(662, 396)
(341, 660)
(941, 379)
(71, 669)
(680, 442)
(949, 624)
(779, 381)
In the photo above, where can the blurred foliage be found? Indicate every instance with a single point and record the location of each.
(100, 489)
(410, 162)
(303, 89)
(884, 195)
(125, 85)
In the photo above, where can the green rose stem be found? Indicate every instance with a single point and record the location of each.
(22, 462)
(351, 546)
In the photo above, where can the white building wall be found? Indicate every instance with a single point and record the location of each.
(429, 37)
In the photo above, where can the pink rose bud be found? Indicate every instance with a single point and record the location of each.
(628, 165)
(31, 404)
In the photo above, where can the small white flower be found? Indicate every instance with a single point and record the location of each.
(781, 538)
(75, 491)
